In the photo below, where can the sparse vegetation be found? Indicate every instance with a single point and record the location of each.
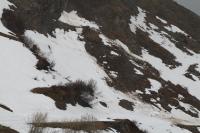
(71, 93)
(38, 118)
(39, 124)
(87, 123)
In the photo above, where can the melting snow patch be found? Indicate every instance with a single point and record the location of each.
(180, 97)
(138, 21)
(73, 19)
(113, 74)
(138, 71)
(139, 92)
(114, 53)
(162, 20)
(175, 29)
(118, 43)
(105, 62)
(188, 107)
(105, 40)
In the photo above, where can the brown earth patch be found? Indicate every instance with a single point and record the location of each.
(72, 93)
(126, 104)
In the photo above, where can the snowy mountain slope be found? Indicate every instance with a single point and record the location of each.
(145, 67)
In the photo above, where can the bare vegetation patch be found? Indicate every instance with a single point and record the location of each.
(38, 118)
(86, 123)
(71, 93)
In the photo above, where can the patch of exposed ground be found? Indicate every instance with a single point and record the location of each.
(192, 71)
(71, 93)
(126, 104)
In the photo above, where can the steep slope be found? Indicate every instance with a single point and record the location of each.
(110, 59)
